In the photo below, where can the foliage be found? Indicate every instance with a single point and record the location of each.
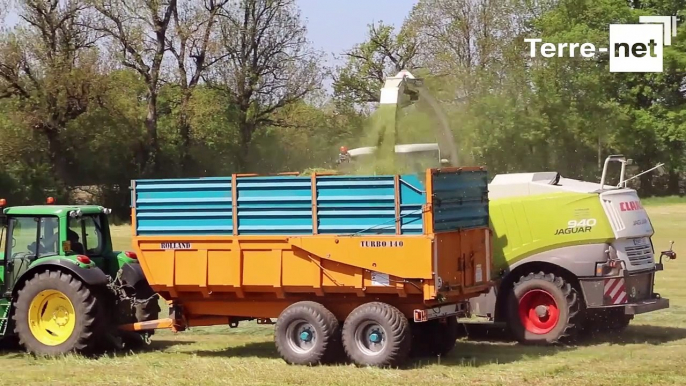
(94, 93)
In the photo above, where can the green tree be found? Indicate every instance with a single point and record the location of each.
(267, 64)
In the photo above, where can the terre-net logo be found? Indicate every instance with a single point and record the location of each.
(633, 47)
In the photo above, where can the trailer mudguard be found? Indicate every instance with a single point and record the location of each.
(92, 276)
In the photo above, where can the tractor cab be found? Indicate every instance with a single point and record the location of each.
(76, 233)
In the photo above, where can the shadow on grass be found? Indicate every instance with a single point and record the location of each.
(465, 354)
(160, 345)
(265, 350)
(486, 346)
(634, 334)
(10, 348)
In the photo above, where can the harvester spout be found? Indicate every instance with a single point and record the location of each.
(400, 91)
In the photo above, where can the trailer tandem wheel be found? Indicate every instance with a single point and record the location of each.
(306, 333)
(377, 334)
(434, 337)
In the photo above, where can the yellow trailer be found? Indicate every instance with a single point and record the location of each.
(366, 266)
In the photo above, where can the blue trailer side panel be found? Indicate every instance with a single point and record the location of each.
(275, 205)
(283, 205)
(201, 206)
(460, 200)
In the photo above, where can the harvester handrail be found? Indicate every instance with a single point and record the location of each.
(616, 158)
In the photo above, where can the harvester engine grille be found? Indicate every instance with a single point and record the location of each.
(639, 254)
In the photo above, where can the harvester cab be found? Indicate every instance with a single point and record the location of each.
(62, 282)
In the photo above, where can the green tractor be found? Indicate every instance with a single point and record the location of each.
(65, 288)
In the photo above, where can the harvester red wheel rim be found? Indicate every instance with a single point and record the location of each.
(530, 307)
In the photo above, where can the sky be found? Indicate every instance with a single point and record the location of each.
(336, 25)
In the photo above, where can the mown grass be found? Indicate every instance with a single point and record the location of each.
(651, 352)
(658, 201)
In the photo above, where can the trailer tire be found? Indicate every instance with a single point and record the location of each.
(434, 337)
(542, 308)
(377, 334)
(75, 310)
(306, 333)
(443, 336)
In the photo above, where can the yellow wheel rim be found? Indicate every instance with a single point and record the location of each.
(51, 317)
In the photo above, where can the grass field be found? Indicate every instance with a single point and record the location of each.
(652, 351)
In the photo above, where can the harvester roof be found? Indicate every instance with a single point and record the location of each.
(526, 184)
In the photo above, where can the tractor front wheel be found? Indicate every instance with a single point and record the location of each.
(541, 308)
(56, 313)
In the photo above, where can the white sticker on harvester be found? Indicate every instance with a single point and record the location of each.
(478, 274)
(380, 279)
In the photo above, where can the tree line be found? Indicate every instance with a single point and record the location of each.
(94, 93)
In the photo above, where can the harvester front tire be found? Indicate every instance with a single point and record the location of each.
(307, 333)
(377, 334)
(55, 314)
(542, 308)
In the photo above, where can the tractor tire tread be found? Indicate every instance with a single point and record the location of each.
(84, 300)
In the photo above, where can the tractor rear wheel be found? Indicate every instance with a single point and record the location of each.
(56, 313)
(542, 308)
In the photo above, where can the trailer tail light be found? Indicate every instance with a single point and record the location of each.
(131, 255)
(83, 259)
